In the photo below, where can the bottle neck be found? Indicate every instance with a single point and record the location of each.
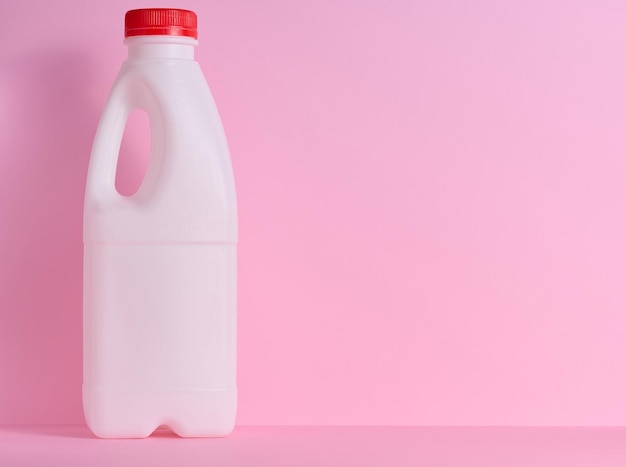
(160, 47)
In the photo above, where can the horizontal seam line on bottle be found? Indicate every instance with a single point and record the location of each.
(150, 243)
(142, 389)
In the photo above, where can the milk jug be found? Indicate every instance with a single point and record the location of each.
(159, 307)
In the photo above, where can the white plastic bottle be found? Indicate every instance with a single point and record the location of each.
(160, 265)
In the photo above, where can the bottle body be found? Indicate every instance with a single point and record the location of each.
(160, 265)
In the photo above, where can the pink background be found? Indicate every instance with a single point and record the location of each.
(316, 446)
(432, 222)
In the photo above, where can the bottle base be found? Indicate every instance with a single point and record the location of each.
(125, 413)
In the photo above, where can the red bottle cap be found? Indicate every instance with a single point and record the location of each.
(161, 22)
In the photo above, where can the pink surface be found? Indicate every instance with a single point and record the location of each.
(323, 446)
(431, 205)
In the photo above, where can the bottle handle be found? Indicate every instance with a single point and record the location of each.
(129, 92)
